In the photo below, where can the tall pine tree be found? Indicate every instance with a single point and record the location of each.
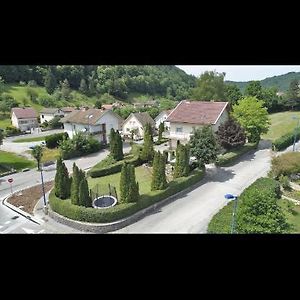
(50, 82)
(182, 167)
(133, 193)
(84, 196)
(124, 183)
(62, 180)
(75, 185)
(148, 150)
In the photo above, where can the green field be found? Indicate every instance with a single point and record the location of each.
(10, 160)
(33, 139)
(292, 214)
(4, 120)
(50, 154)
(142, 175)
(281, 123)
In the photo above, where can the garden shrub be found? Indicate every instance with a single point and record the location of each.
(286, 140)
(53, 140)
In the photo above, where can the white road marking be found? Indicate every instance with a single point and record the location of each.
(28, 230)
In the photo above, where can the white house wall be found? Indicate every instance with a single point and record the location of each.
(111, 121)
(131, 124)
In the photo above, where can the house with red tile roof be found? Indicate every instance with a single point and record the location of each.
(188, 115)
(24, 118)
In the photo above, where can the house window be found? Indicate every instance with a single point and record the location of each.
(178, 129)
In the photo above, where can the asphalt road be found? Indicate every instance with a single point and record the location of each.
(193, 211)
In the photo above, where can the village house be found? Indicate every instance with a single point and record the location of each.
(93, 121)
(24, 118)
(161, 118)
(135, 123)
(47, 114)
(188, 115)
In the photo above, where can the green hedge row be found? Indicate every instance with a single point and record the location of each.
(286, 140)
(231, 156)
(221, 222)
(52, 141)
(114, 168)
(120, 211)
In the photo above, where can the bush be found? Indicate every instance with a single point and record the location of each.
(11, 130)
(99, 171)
(286, 140)
(65, 208)
(285, 164)
(53, 140)
(285, 182)
(229, 157)
(79, 145)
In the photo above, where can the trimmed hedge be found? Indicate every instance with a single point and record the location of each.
(120, 211)
(114, 168)
(229, 157)
(286, 140)
(221, 222)
(52, 141)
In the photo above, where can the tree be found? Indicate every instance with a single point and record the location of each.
(37, 153)
(133, 193)
(148, 150)
(83, 86)
(293, 96)
(119, 144)
(210, 86)
(203, 145)
(1, 137)
(259, 212)
(65, 89)
(116, 145)
(84, 198)
(62, 180)
(75, 185)
(182, 161)
(124, 183)
(252, 116)
(32, 94)
(158, 181)
(232, 94)
(161, 129)
(50, 82)
(231, 135)
(254, 89)
(98, 104)
(271, 99)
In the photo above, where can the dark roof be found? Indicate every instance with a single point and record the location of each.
(197, 112)
(67, 109)
(24, 113)
(143, 118)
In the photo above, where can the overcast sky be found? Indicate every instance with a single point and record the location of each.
(242, 73)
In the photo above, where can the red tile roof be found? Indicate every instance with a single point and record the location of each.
(24, 113)
(197, 112)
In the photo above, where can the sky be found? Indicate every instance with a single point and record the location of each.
(242, 73)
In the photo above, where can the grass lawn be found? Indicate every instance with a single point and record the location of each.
(10, 160)
(142, 175)
(292, 214)
(32, 139)
(281, 123)
(50, 154)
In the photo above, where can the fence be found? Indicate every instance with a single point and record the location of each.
(103, 190)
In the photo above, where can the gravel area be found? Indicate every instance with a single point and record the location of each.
(27, 199)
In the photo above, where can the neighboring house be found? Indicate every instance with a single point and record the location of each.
(47, 114)
(161, 118)
(136, 123)
(94, 121)
(188, 115)
(24, 118)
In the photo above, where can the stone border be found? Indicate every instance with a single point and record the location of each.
(113, 226)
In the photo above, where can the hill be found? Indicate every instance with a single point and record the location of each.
(282, 82)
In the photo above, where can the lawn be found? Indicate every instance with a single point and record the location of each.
(292, 214)
(142, 174)
(50, 154)
(281, 123)
(32, 139)
(10, 160)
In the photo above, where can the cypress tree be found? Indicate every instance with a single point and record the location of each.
(112, 142)
(186, 169)
(124, 183)
(65, 182)
(119, 144)
(155, 172)
(75, 185)
(58, 176)
(161, 129)
(162, 172)
(50, 82)
(84, 197)
(133, 191)
(148, 150)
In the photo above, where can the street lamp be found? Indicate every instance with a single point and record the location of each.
(295, 132)
(231, 197)
(43, 188)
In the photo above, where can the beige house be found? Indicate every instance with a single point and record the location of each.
(188, 115)
(92, 121)
(135, 123)
(24, 118)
